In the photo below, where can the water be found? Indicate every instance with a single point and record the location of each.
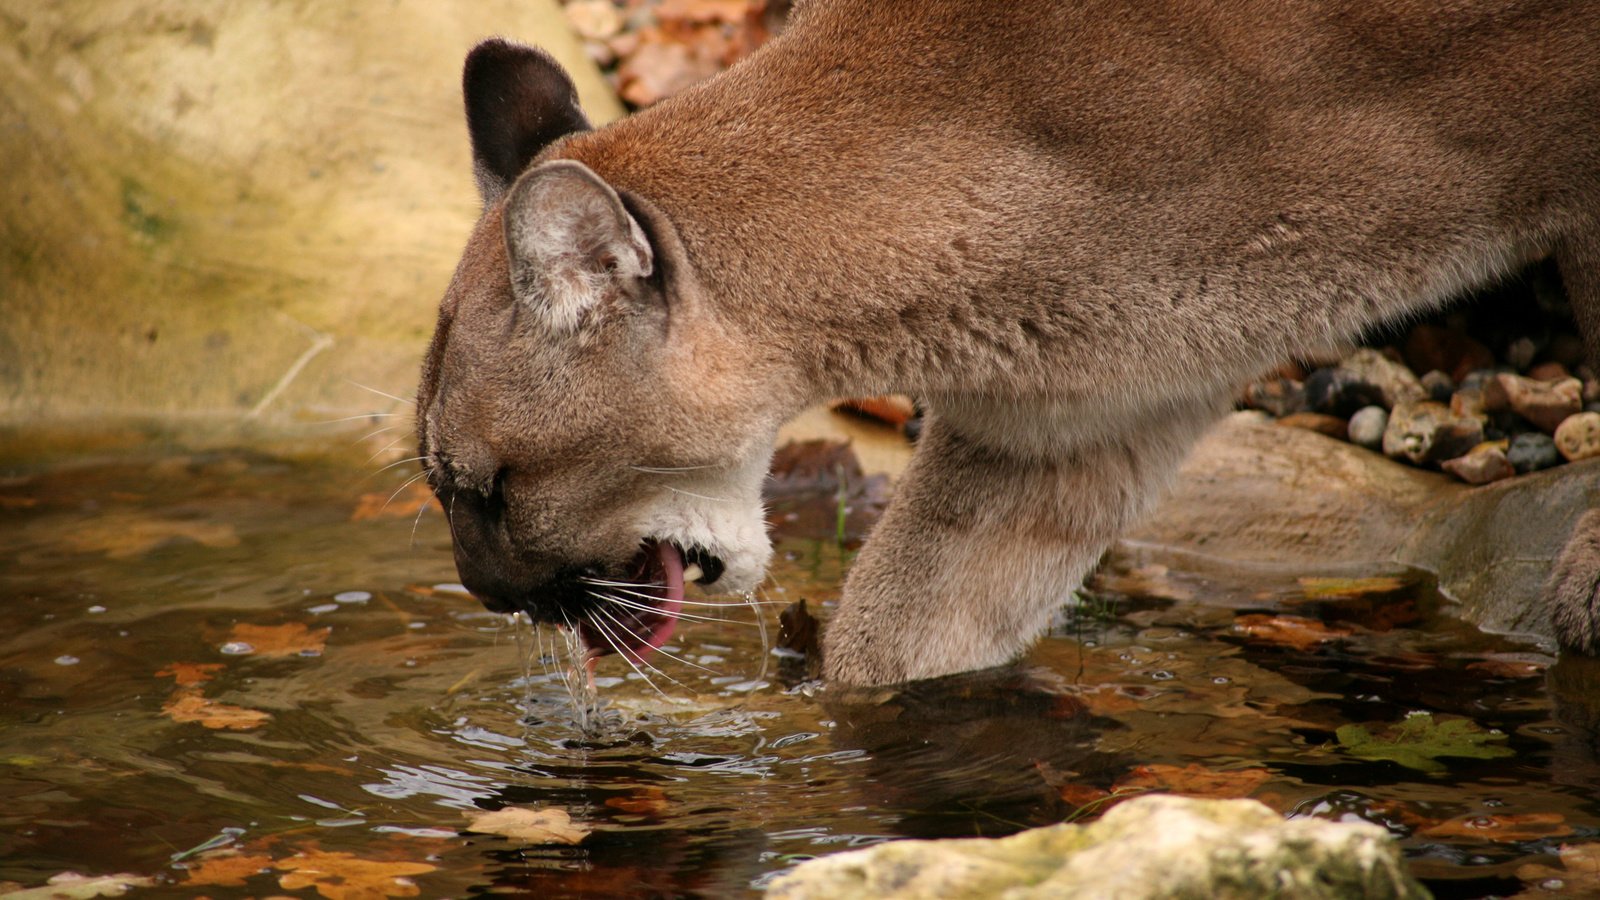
(236, 673)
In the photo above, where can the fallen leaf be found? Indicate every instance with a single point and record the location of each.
(894, 410)
(1194, 780)
(187, 705)
(289, 639)
(1505, 827)
(1290, 631)
(1579, 875)
(227, 869)
(72, 886)
(190, 674)
(1418, 741)
(1508, 667)
(344, 876)
(405, 503)
(551, 825)
(645, 801)
(729, 12)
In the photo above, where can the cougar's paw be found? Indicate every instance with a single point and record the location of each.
(1573, 590)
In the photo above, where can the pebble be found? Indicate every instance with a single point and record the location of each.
(1545, 404)
(1549, 371)
(1424, 431)
(1482, 464)
(1278, 397)
(1439, 385)
(1579, 436)
(1395, 383)
(1532, 451)
(1367, 426)
(1332, 392)
(1332, 426)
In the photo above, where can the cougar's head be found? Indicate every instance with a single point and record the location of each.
(584, 414)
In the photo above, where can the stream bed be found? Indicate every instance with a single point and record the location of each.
(240, 673)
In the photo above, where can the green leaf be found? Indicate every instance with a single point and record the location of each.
(1417, 742)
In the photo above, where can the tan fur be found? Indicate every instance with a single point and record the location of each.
(1071, 228)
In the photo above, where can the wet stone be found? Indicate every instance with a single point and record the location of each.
(1425, 431)
(1579, 436)
(1332, 426)
(1367, 426)
(1439, 386)
(1532, 451)
(1545, 404)
(1482, 464)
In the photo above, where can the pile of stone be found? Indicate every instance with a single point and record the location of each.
(1437, 396)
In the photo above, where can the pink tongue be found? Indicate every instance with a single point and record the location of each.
(672, 600)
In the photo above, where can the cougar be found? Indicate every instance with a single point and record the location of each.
(1069, 227)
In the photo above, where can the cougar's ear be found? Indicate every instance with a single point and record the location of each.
(518, 101)
(571, 242)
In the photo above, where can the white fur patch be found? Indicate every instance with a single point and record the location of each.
(720, 512)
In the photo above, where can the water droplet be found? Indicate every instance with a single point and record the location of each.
(1162, 675)
(66, 660)
(1222, 679)
(352, 597)
(1552, 884)
(237, 648)
(96, 610)
(322, 608)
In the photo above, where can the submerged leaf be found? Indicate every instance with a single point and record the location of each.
(1290, 631)
(345, 876)
(187, 705)
(227, 870)
(551, 825)
(72, 886)
(1194, 780)
(1418, 741)
(289, 639)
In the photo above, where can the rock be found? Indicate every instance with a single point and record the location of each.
(1467, 402)
(1549, 371)
(1277, 397)
(1579, 436)
(1367, 426)
(1332, 426)
(1439, 386)
(1147, 847)
(1482, 464)
(1532, 451)
(1395, 383)
(1431, 347)
(1425, 431)
(1333, 392)
(1545, 404)
(1520, 353)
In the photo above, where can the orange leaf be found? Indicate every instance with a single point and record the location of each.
(189, 674)
(894, 410)
(1507, 827)
(228, 870)
(289, 639)
(344, 876)
(1290, 631)
(186, 705)
(1507, 667)
(644, 801)
(403, 504)
(1194, 780)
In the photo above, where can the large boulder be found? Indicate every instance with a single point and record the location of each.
(1254, 493)
(1149, 847)
(235, 208)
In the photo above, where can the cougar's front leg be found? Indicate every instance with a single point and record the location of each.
(984, 542)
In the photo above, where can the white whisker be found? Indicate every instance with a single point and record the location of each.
(658, 649)
(616, 645)
(699, 496)
(382, 393)
(669, 470)
(408, 483)
(645, 607)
